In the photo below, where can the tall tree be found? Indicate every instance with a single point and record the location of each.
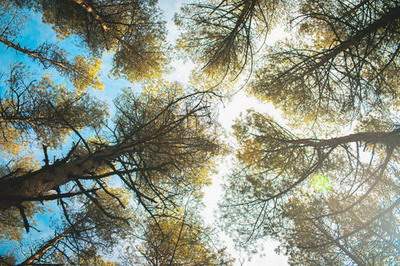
(159, 143)
(341, 58)
(178, 239)
(332, 200)
(82, 71)
(223, 36)
(336, 67)
(48, 110)
(131, 29)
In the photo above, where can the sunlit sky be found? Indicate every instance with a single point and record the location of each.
(228, 112)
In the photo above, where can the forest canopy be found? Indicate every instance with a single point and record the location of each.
(106, 156)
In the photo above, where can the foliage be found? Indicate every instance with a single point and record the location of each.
(222, 35)
(132, 29)
(337, 216)
(177, 240)
(85, 233)
(47, 109)
(340, 59)
(93, 169)
(323, 181)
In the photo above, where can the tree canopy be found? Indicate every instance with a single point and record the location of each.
(121, 169)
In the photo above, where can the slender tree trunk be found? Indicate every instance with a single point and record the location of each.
(391, 17)
(41, 251)
(388, 18)
(62, 64)
(92, 11)
(44, 248)
(386, 138)
(34, 54)
(337, 243)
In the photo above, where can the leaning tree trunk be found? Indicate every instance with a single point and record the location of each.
(44, 248)
(36, 183)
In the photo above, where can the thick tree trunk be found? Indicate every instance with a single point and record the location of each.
(36, 183)
(49, 177)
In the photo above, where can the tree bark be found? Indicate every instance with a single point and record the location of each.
(44, 248)
(36, 183)
(386, 138)
(391, 17)
(34, 54)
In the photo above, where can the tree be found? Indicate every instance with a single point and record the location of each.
(331, 200)
(85, 233)
(364, 236)
(48, 110)
(341, 58)
(176, 239)
(131, 29)
(164, 125)
(336, 67)
(329, 193)
(42, 112)
(82, 72)
(158, 145)
(222, 35)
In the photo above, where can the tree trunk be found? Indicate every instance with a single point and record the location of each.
(44, 248)
(386, 138)
(34, 54)
(388, 18)
(36, 183)
(391, 17)
(92, 11)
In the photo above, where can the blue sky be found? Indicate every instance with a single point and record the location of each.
(34, 32)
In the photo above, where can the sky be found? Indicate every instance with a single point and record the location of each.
(181, 70)
(228, 112)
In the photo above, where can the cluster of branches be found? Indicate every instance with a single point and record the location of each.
(343, 219)
(155, 146)
(79, 239)
(329, 197)
(348, 66)
(223, 36)
(158, 147)
(131, 29)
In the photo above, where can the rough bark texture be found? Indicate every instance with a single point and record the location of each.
(34, 54)
(43, 249)
(36, 183)
(386, 138)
